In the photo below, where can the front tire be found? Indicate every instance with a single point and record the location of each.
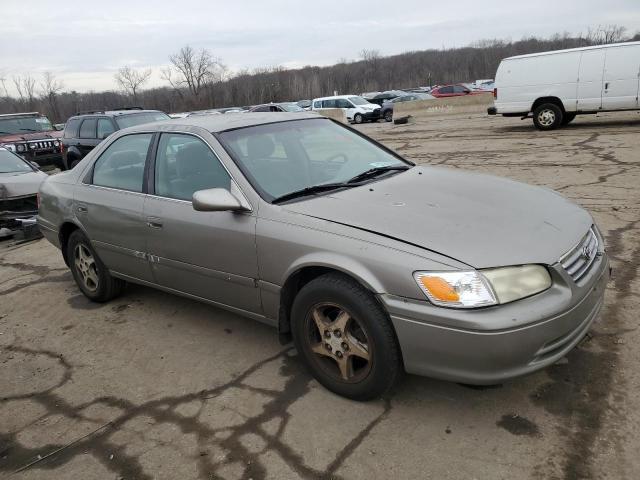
(357, 118)
(345, 337)
(91, 275)
(388, 116)
(547, 116)
(568, 118)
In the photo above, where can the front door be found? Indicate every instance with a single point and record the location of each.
(621, 69)
(211, 255)
(109, 206)
(590, 74)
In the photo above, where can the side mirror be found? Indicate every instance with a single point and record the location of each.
(216, 200)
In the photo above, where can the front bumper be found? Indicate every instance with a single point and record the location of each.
(435, 342)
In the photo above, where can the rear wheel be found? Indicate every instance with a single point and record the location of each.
(547, 116)
(345, 337)
(388, 116)
(90, 274)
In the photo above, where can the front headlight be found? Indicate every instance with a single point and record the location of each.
(472, 289)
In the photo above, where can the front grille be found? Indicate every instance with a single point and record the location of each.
(41, 145)
(577, 261)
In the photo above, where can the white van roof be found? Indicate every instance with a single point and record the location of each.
(335, 96)
(553, 52)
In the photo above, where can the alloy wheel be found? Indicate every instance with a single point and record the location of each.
(86, 266)
(340, 344)
(546, 117)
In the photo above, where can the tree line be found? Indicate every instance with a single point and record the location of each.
(199, 80)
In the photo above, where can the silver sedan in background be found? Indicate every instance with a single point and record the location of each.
(372, 265)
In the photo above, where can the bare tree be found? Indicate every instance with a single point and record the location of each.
(605, 34)
(192, 71)
(26, 88)
(50, 87)
(131, 80)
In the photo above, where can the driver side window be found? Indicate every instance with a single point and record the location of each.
(184, 165)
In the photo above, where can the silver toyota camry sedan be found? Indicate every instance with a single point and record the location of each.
(372, 265)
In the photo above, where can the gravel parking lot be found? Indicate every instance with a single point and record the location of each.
(156, 386)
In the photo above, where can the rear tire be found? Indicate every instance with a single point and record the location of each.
(345, 337)
(388, 116)
(91, 275)
(547, 116)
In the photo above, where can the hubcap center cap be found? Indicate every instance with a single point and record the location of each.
(335, 343)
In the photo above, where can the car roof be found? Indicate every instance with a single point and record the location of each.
(115, 113)
(336, 96)
(221, 123)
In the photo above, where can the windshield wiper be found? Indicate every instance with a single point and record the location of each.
(374, 172)
(303, 192)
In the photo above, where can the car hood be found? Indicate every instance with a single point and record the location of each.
(24, 137)
(480, 220)
(20, 184)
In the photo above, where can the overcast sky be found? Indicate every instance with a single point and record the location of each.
(84, 42)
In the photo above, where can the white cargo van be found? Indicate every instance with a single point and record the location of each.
(356, 108)
(556, 86)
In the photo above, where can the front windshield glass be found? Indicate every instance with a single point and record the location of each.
(292, 107)
(25, 124)
(358, 100)
(280, 158)
(10, 163)
(125, 121)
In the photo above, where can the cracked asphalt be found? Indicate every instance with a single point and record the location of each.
(153, 386)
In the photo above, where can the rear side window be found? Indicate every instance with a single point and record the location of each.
(71, 128)
(121, 165)
(329, 104)
(317, 104)
(105, 128)
(88, 128)
(445, 90)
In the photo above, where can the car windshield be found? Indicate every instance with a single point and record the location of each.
(130, 120)
(10, 163)
(25, 124)
(358, 101)
(284, 157)
(292, 107)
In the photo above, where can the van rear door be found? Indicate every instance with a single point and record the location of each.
(590, 80)
(621, 77)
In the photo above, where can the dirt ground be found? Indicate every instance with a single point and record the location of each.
(156, 386)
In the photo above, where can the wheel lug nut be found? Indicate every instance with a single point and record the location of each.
(339, 354)
(327, 334)
(337, 333)
(327, 346)
(345, 346)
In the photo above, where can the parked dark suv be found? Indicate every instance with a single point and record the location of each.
(86, 130)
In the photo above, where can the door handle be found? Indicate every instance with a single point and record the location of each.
(82, 209)
(154, 222)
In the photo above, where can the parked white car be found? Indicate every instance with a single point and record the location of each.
(356, 108)
(556, 86)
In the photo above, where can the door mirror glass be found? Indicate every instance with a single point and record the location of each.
(216, 200)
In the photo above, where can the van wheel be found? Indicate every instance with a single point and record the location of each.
(357, 118)
(568, 118)
(345, 337)
(388, 116)
(547, 116)
(91, 275)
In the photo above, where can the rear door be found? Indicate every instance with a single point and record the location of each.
(109, 203)
(621, 68)
(88, 137)
(211, 255)
(590, 74)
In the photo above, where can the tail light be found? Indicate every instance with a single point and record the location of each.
(495, 93)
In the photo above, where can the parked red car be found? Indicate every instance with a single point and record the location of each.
(454, 91)
(31, 136)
